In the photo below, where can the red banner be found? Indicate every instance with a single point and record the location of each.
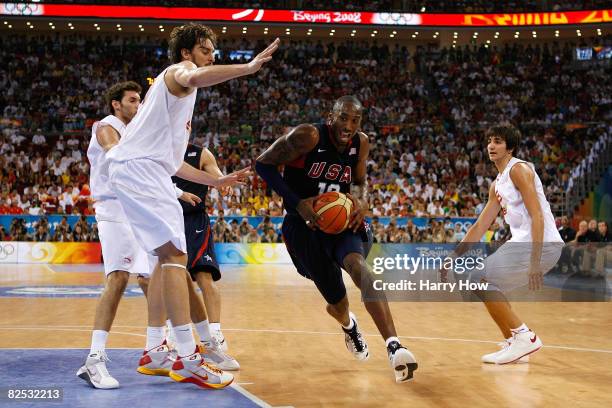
(308, 17)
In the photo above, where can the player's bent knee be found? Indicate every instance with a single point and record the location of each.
(118, 278)
(355, 265)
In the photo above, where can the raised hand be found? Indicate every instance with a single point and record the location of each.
(238, 177)
(266, 55)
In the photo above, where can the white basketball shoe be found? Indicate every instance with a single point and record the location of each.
(95, 373)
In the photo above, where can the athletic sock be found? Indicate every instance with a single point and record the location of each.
(170, 337)
(350, 325)
(155, 337)
(203, 329)
(185, 343)
(98, 341)
(216, 327)
(391, 339)
(521, 329)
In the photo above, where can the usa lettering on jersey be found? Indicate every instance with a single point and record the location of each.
(334, 172)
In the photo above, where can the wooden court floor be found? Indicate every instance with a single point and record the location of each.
(293, 354)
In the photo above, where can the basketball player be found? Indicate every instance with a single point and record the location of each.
(201, 261)
(140, 171)
(332, 157)
(535, 246)
(122, 254)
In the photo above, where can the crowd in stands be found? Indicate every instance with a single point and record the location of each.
(426, 112)
(407, 6)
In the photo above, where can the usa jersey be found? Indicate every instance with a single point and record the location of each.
(323, 169)
(192, 157)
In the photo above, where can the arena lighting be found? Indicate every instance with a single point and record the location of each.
(333, 31)
(118, 25)
(139, 25)
(141, 29)
(375, 32)
(95, 24)
(161, 26)
(162, 30)
(331, 34)
(372, 35)
(119, 29)
(97, 28)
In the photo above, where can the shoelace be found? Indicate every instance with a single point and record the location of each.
(356, 339)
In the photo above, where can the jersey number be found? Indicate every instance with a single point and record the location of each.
(325, 187)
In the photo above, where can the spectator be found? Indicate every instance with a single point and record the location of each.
(567, 232)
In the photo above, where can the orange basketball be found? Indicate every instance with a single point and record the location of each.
(335, 209)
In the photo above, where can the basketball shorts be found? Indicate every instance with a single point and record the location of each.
(120, 250)
(508, 267)
(200, 245)
(148, 198)
(319, 256)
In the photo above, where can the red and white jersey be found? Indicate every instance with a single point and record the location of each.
(514, 210)
(106, 205)
(160, 130)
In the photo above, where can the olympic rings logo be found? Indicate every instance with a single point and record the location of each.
(6, 250)
(22, 9)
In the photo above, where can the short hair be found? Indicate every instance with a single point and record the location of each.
(117, 91)
(187, 36)
(507, 132)
(347, 99)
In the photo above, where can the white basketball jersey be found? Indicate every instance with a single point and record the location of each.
(160, 130)
(106, 204)
(514, 210)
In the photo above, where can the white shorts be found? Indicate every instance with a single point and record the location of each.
(120, 250)
(148, 198)
(508, 268)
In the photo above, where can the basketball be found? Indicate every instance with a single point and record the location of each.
(335, 209)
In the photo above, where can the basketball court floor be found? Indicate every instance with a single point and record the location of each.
(293, 354)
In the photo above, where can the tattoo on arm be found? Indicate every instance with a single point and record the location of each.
(289, 147)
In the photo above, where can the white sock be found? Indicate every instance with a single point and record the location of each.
(170, 332)
(521, 329)
(155, 337)
(185, 343)
(390, 339)
(203, 329)
(350, 325)
(215, 326)
(98, 341)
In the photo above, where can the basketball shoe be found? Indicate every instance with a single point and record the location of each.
(354, 341)
(491, 357)
(157, 361)
(402, 361)
(211, 353)
(522, 345)
(218, 336)
(193, 369)
(95, 373)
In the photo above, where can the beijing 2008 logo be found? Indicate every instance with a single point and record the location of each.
(21, 9)
(6, 250)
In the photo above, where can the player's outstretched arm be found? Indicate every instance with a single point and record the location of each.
(208, 163)
(187, 75)
(190, 173)
(284, 150)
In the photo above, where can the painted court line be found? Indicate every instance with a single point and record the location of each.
(275, 331)
(250, 396)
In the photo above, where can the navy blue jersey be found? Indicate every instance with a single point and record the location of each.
(192, 157)
(323, 169)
